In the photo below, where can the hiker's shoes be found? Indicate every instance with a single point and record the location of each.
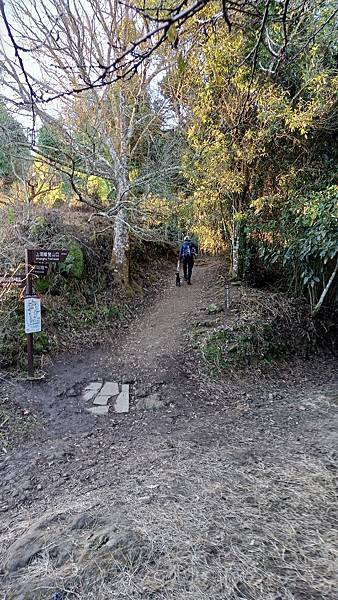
(189, 282)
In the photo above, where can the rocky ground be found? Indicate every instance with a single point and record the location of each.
(207, 488)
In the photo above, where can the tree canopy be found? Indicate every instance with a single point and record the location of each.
(14, 151)
(220, 119)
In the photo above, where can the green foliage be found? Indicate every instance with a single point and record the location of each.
(98, 189)
(12, 338)
(49, 143)
(10, 216)
(215, 308)
(74, 264)
(213, 350)
(42, 285)
(38, 227)
(263, 152)
(14, 153)
(51, 185)
(41, 342)
(111, 312)
(302, 241)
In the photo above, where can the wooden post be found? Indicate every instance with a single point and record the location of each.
(227, 299)
(29, 292)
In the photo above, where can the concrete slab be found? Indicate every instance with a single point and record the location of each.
(91, 390)
(101, 400)
(122, 401)
(110, 388)
(98, 410)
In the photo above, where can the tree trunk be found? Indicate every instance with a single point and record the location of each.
(318, 306)
(120, 254)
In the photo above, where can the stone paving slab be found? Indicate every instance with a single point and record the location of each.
(101, 400)
(110, 388)
(122, 401)
(98, 410)
(91, 390)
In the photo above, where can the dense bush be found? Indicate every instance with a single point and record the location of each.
(269, 327)
(300, 240)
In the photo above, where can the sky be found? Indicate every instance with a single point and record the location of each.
(22, 115)
(32, 67)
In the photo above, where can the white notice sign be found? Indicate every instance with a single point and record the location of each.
(32, 315)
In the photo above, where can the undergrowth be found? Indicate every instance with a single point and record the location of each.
(80, 299)
(265, 327)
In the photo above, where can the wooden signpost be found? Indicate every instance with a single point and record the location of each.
(47, 256)
(36, 263)
(40, 270)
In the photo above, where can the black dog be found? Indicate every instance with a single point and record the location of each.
(178, 279)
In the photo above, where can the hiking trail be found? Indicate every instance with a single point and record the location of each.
(195, 498)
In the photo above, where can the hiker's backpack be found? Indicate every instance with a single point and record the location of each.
(186, 250)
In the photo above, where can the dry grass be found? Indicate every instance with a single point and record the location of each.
(207, 526)
(262, 328)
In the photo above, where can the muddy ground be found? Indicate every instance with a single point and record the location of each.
(225, 490)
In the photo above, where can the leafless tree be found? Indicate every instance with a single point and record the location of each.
(68, 43)
(33, 25)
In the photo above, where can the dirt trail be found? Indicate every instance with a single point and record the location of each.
(152, 341)
(225, 492)
(157, 337)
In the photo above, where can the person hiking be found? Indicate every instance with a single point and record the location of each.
(188, 252)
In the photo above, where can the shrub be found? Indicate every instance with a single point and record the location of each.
(271, 326)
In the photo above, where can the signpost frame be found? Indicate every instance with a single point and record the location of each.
(37, 263)
(29, 292)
